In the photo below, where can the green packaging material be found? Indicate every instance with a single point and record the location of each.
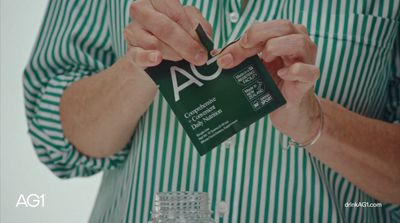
(213, 104)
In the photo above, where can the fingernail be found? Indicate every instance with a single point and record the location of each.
(226, 60)
(153, 57)
(200, 58)
(282, 72)
(214, 52)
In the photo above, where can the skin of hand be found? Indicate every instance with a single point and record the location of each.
(289, 55)
(364, 150)
(96, 115)
(164, 30)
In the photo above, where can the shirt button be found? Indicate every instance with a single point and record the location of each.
(222, 208)
(234, 17)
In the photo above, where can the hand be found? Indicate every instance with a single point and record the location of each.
(164, 29)
(289, 55)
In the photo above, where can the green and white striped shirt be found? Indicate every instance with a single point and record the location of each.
(252, 176)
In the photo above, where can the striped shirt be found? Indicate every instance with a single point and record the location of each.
(251, 176)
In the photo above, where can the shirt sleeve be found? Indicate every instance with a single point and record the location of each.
(73, 43)
(392, 110)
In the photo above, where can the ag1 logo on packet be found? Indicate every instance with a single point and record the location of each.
(212, 104)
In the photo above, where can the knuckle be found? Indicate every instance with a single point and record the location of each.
(190, 9)
(286, 26)
(152, 43)
(175, 16)
(295, 68)
(192, 48)
(128, 36)
(317, 73)
(285, 22)
(269, 46)
(135, 8)
(302, 40)
(251, 32)
(129, 33)
(164, 29)
(303, 28)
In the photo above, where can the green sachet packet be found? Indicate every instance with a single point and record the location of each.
(213, 104)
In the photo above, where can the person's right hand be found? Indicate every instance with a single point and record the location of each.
(164, 29)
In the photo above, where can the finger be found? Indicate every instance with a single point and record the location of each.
(170, 33)
(194, 14)
(301, 29)
(294, 92)
(296, 47)
(262, 32)
(176, 12)
(300, 72)
(138, 4)
(135, 35)
(235, 54)
(144, 58)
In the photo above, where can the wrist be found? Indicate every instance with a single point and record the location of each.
(308, 121)
(134, 76)
(308, 142)
(134, 84)
(127, 70)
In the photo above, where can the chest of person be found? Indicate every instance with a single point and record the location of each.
(354, 38)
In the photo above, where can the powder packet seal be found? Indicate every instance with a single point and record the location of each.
(213, 104)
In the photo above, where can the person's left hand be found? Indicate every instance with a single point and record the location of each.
(289, 55)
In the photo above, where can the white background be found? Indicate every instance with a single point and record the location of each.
(21, 172)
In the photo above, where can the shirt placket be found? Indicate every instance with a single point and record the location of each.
(232, 13)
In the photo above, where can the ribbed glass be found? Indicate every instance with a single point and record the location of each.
(181, 207)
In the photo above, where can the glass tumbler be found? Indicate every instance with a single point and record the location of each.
(181, 207)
